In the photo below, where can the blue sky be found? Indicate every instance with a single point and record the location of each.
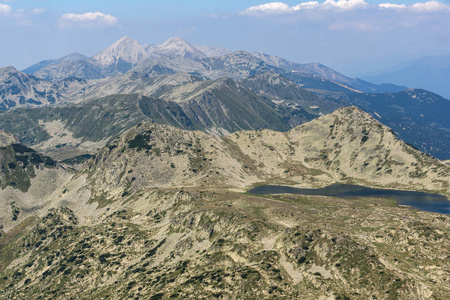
(352, 36)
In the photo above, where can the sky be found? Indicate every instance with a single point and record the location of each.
(355, 37)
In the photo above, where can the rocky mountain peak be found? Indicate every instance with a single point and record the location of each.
(8, 70)
(177, 41)
(75, 56)
(126, 49)
(177, 47)
(352, 111)
(124, 42)
(10, 75)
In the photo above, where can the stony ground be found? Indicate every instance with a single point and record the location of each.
(203, 244)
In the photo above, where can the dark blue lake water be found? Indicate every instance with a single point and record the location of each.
(422, 201)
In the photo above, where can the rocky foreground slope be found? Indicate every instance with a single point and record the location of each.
(159, 213)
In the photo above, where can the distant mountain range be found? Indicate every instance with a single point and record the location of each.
(431, 73)
(178, 55)
(118, 58)
(206, 88)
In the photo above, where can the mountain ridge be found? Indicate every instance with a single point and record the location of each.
(68, 58)
(114, 61)
(367, 157)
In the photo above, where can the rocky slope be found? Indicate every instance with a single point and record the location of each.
(183, 244)
(346, 146)
(68, 58)
(84, 69)
(156, 215)
(212, 51)
(27, 179)
(130, 67)
(282, 91)
(20, 89)
(413, 108)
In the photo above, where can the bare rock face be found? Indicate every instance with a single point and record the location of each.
(27, 179)
(7, 139)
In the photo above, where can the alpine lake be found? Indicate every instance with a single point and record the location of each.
(420, 200)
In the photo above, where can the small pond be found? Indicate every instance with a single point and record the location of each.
(422, 201)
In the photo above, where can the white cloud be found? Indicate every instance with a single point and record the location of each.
(306, 5)
(346, 4)
(38, 11)
(5, 9)
(275, 8)
(430, 6)
(358, 15)
(89, 19)
(392, 6)
(278, 8)
(268, 8)
(282, 8)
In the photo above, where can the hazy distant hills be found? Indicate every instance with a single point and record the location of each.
(18, 89)
(118, 58)
(178, 55)
(431, 73)
(322, 71)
